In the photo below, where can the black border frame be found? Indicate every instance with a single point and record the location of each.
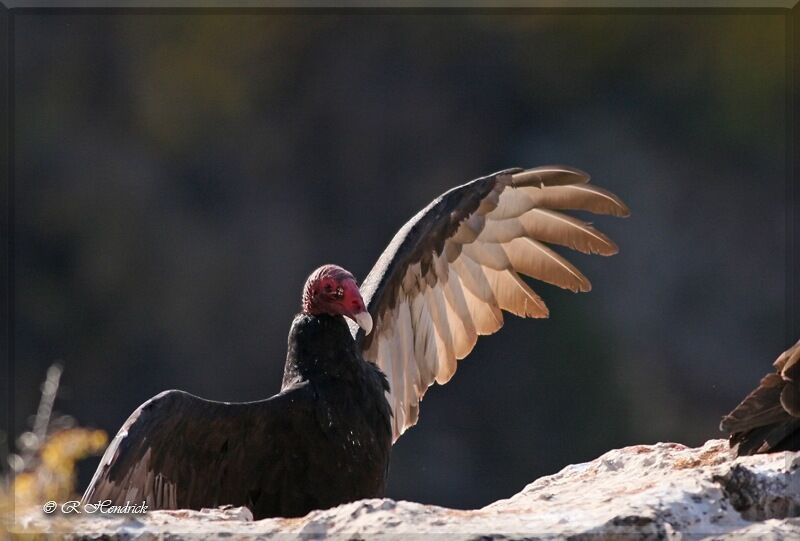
(7, 187)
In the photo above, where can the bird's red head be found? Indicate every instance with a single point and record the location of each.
(332, 290)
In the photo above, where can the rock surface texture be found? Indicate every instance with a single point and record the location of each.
(657, 491)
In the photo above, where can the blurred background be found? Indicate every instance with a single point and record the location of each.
(179, 175)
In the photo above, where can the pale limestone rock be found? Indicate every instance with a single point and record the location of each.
(657, 491)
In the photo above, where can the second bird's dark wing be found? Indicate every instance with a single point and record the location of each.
(449, 272)
(180, 451)
(768, 419)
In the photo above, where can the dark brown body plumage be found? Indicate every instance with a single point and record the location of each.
(323, 440)
(768, 419)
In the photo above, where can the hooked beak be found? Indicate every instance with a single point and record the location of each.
(364, 320)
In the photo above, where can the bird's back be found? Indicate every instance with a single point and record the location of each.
(322, 441)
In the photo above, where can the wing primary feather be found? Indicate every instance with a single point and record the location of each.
(515, 295)
(534, 259)
(446, 353)
(424, 340)
(475, 279)
(578, 197)
(487, 254)
(511, 203)
(550, 175)
(487, 317)
(557, 228)
(454, 295)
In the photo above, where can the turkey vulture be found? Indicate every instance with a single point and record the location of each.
(348, 393)
(768, 419)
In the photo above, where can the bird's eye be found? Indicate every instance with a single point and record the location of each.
(339, 292)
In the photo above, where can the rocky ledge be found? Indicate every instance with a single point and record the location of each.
(657, 491)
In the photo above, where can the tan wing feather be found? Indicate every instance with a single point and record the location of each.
(534, 259)
(474, 251)
(551, 226)
(578, 197)
(457, 305)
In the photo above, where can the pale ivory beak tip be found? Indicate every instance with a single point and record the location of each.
(364, 321)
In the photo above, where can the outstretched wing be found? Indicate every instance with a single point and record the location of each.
(179, 451)
(768, 419)
(449, 272)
